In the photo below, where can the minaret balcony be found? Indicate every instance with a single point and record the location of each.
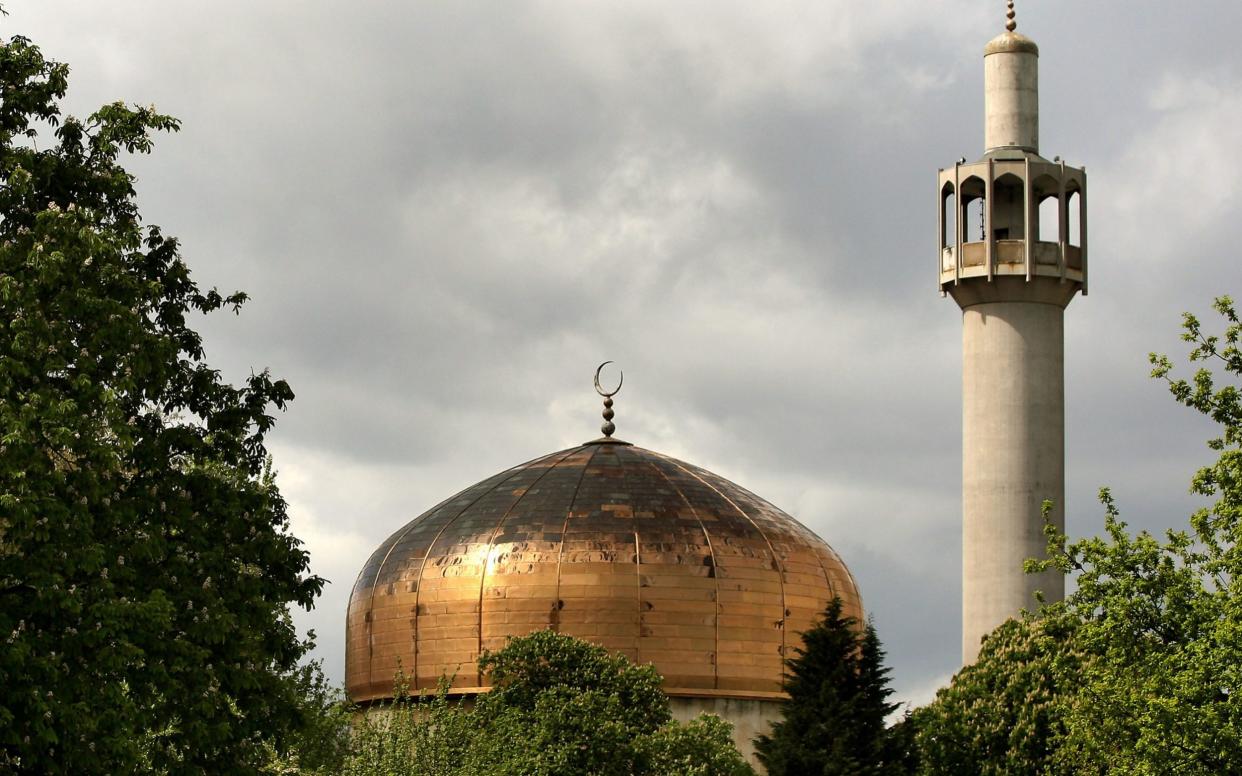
(1012, 213)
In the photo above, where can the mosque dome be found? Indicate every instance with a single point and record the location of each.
(643, 554)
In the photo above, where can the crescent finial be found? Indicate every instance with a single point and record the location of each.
(599, 389)
(608, 427)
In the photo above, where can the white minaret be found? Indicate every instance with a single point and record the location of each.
(1013, 252)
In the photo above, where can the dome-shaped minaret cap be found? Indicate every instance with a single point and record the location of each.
(1011, 41)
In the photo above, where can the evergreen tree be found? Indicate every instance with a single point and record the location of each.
(834, 721)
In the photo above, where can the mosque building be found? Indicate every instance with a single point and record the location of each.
(672, 565)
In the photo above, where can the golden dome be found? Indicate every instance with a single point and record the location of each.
(640, 553)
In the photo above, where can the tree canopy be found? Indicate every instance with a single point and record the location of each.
(146, 567)
(1004, 713)
(559, 707)
(1161, 619)
(835, 721)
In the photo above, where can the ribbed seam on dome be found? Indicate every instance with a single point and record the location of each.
(780, 567)
(715, 570)
(491, 539)
(500, 479)
(379, 569)
(560, 551)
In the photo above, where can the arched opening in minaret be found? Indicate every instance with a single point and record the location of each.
(972, 206)
(1008, 208)
(1073, 212)
(1048, 214)
(974, 220)
(948, 216)
(972, 202)
(1049, 219)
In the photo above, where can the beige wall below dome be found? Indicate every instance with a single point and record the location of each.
(749, 718)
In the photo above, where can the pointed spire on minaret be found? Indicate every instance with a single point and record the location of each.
(1011, 16)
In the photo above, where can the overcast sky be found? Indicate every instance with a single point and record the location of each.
(448, 213)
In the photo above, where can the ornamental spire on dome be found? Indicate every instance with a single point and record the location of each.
(1011, 15)
(608, 427)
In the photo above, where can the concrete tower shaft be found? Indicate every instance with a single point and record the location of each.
(1013, 253)
(1011, 93)
(1013, 445)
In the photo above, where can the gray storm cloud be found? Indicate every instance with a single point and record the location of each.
(448, 213)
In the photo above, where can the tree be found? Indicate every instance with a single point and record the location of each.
(558, 707)
(146, 566)
(322, 740)
(1004, 713)
(1162, 618)
(1139, 671)
(835, 719)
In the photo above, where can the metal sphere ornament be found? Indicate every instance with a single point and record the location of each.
(608, 427)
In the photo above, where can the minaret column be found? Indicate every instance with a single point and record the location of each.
(1012, 288)
(1013, 447)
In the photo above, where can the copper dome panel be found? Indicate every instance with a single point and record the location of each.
(654, 558)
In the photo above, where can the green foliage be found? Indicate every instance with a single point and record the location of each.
(1004, 713)
(701, 747)
(559, 707)
(1159, 621)
(1140, 670)
(321, 741)
(834, 722)
(145, 562)
(546, 666)
(431, 737)
(1162, 618)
